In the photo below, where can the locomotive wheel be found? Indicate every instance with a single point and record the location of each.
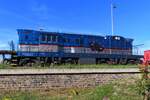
(74, 61)
(98, 62)
(6, 61)
(112, 62)
(123, 61)
(28, 62)
(109, 62)
(31, 64)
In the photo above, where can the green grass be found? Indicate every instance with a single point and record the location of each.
(113, 92)
(119, 91)
(26, 96)
(94, 66)
(3, 66)
(71, 66)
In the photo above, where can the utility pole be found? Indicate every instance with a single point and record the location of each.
(11, 45)
(137, 48)
(112, 17)
(112, 24)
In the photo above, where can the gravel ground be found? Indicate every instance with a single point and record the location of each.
(67, 71)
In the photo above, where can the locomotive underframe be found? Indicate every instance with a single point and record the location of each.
(30, 59)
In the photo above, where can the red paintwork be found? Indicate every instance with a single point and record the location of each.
(147, 55)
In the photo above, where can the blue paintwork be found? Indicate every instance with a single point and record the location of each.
(76, 55)
(33, 37)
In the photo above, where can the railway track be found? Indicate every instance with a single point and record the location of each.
(68, 71)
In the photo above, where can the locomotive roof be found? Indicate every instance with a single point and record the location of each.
(65, 33)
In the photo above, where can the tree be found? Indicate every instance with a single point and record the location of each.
(11, 45)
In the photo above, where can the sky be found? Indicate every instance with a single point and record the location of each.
(131, 18)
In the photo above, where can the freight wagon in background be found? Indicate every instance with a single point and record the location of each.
(55, 47)
(147, 56)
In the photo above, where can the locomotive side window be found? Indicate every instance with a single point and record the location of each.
(81, 42)
(66, 40)
(43, 38)
(77, 41)
(49, 38)
(54, 38)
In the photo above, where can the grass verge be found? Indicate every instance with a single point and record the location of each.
(71, 66)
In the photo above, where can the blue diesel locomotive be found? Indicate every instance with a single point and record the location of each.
(55, 47)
